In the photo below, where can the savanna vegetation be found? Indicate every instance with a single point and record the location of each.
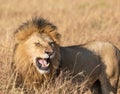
(78, 21)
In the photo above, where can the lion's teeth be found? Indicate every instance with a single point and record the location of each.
(47, 64)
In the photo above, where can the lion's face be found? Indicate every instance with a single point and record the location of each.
(41, 49)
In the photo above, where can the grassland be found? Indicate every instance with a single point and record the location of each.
(78, 21)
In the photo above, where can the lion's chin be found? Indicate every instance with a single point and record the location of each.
(44, 71)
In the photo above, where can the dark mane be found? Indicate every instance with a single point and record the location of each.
(39, 23)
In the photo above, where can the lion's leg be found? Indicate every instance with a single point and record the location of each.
(96, 88)
(109, 79)
(106, 87)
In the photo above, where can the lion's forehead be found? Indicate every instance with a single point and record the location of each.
(43, 38)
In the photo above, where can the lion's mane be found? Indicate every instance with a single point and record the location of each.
(25, 72)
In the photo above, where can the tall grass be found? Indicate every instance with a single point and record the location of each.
(78, 21)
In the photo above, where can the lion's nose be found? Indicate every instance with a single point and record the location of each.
(49, 51)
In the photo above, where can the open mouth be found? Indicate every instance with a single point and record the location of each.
(43, 63)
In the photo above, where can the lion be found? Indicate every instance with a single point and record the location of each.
(38, 57)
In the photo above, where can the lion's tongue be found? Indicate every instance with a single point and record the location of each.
(43, 62)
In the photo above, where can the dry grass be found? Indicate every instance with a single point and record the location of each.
(61, 85)
(78, 21)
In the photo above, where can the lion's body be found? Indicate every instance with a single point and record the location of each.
(97, 60)
(37, 57)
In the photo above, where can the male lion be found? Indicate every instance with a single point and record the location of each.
(38, 57)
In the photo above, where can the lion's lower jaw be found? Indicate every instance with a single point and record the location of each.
(43, 71)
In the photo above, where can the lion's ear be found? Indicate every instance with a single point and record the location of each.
(19, 36)
(22, 34)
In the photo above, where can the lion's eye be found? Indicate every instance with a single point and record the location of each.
(37, 44)
(51, 44)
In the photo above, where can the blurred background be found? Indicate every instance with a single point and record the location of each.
(78, 21)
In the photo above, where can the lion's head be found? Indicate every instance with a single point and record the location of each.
(36, 52)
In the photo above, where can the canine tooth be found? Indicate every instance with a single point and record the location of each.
(47, 64)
